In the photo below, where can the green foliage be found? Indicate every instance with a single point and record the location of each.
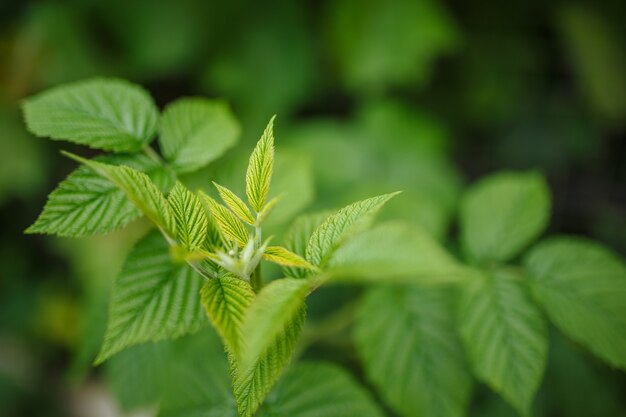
(196, 131)
(235, 204)
(406, 339)
(260, 169)
(153, 299)
(502, 214)
(505, 337)
(190, 217)
(582, 287)
(227, 223)
(337, 227)
(86, 204)
(108, 114)
(285, 257)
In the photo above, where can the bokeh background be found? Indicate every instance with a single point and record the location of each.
(371, 96)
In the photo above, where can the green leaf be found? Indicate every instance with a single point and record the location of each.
(196, 131)
(153, 299)
(102, 113)
(284, 257)
(227, 223)
(274, 308)
(318, 389)
(582, 287)
(260, 169)
(505, 337)
(251, 384)
(330, 234)
(395, 252)
(235, 203)
(85, 204)
(407, 341)
(298, 237)
(225, 301)
(502, 214)
(139, 189)
(191, 219)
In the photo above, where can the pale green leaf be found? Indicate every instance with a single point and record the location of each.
(284, 257)
(153, 299)
(395, 252)
(582, 287)
(196, 131)
(252, 384)
(318, 389)
(139, 189)
(225, 301)
(190, 216)
(337, 227)
(86, 204)
(102, 113)
(502, 214)
(228, 224)
(260, 167)
(235, 203)
(407, 341)
(298, 237)
(505, 337)
(273, 309)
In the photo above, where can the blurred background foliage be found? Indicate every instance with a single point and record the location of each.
(371, 96)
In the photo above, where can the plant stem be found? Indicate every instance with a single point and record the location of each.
(255, 280)
(147, 149)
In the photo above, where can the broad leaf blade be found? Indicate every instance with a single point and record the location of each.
(318, 389)
(102, 113)
(227, 223)
(235, 204)
(139, 189)
(298, 237)
(582, 287)
(502, 214)
(260, 167)
(505, 337)
(225, 301)
(190, 217)
(153, 299)
(395, 252)
(284, 257)
(407, 341)
(196, 131)
(330, 234)
(86, 204)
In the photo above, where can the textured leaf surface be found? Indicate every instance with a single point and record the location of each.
(153, 299)
(582, 287)
(331, 233)
(85, 203)
(101, 113)
(227, 223)
(225, 301)
(505, 337)
(395, 252)
(284, 257)
(317, 389)
(196, 131)
(190, 217)
(298, 236)
(252, 384)
(407, 341)
(274, 308)
(260, 169)
(139, 189)
(502, 214)
(235, 203)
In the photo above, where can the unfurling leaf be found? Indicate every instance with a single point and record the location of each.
(190, 216)
(260, 169)
(227, 223)
(235, 204)
(284, 257)
(330, 234)
(102, 113)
